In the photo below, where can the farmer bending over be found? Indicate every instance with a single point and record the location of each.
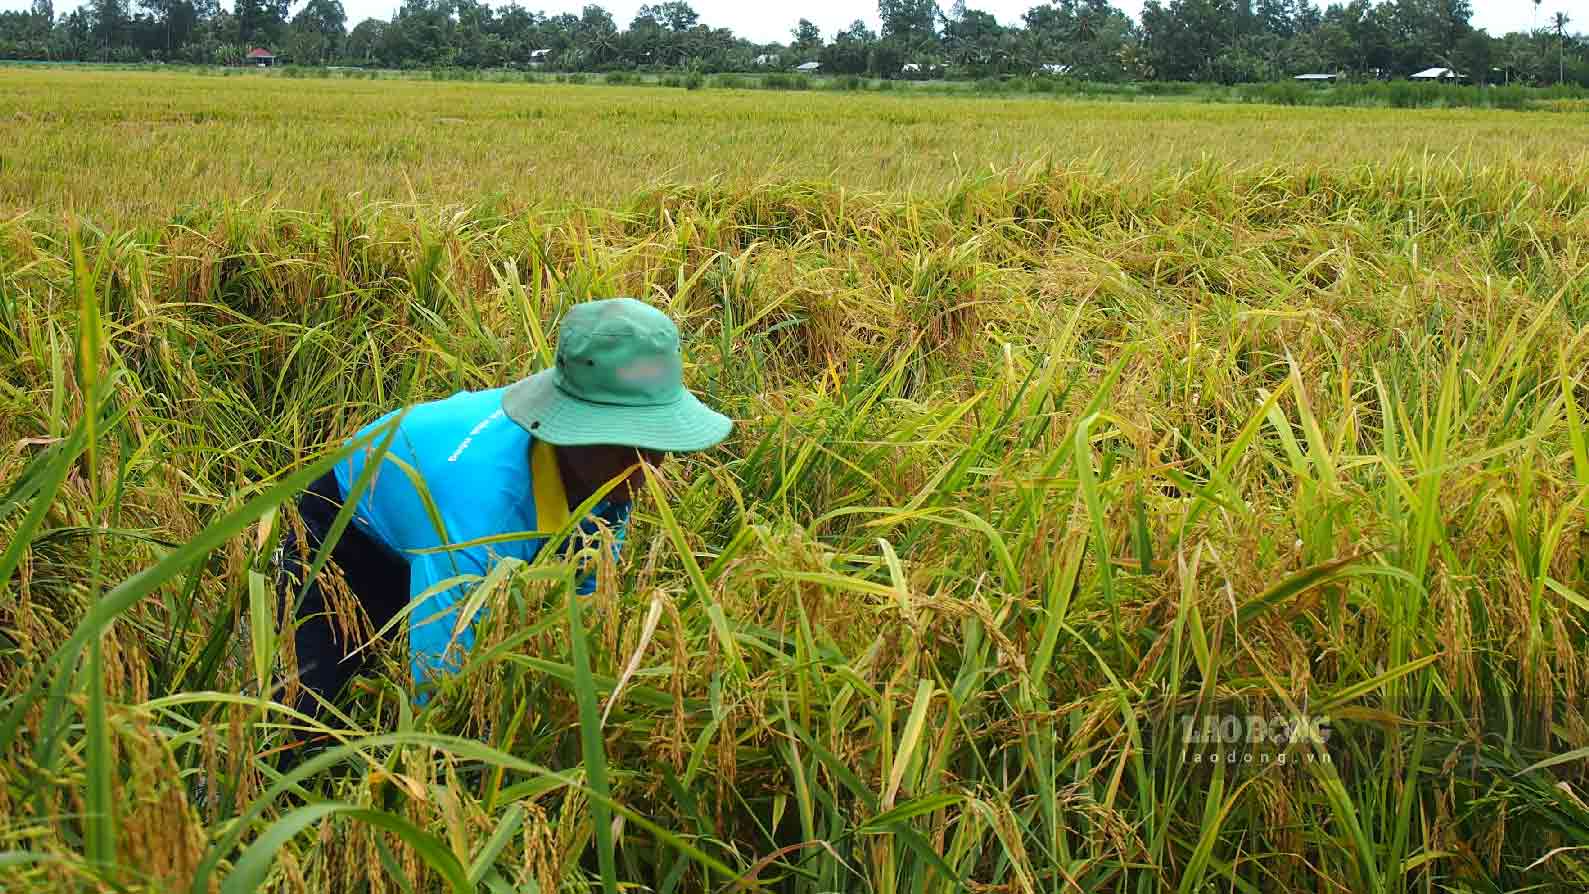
(504, 461)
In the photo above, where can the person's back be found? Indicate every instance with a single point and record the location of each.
(469, 458)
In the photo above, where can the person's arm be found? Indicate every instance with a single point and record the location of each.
(438, 585)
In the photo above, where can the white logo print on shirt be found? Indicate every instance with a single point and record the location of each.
(479, 427)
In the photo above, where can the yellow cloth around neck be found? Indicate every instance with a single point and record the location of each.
(551, 501)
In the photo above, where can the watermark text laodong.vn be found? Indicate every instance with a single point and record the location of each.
(1254, 739)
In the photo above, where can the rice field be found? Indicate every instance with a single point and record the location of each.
(1122, 498)
(147, 148)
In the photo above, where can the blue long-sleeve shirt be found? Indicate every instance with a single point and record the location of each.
(476, 465)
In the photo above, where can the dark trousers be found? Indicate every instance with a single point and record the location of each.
(377, 578)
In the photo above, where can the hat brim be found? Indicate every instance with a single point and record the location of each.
(548, 413)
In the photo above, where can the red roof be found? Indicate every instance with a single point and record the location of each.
(257, 53)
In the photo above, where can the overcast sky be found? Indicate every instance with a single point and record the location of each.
(765, 22)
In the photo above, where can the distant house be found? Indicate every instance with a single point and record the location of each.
(538, 57)
(1315, 77)
(1435, 74)
(767, 59)
(809, 67)
(262, 58)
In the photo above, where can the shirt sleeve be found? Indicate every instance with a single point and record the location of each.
(438, 585)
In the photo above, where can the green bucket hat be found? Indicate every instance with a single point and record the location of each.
(619, 379)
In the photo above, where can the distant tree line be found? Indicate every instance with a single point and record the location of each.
(1223, 41)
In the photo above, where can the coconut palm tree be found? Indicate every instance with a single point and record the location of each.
(1560, 21)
